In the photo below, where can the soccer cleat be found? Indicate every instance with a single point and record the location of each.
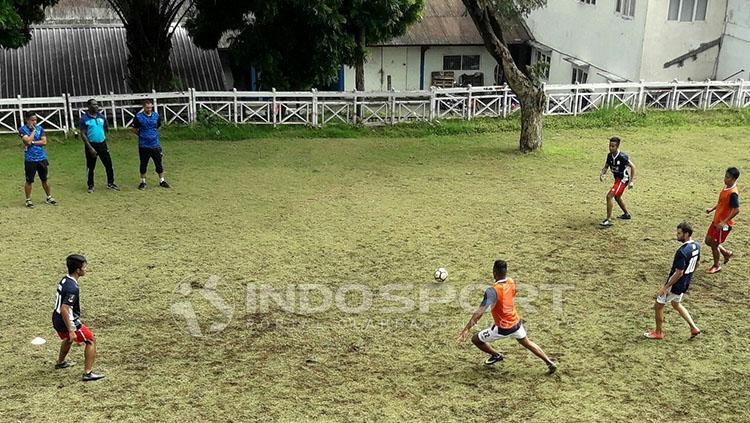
(551, 368)
(713, 269)
(493, 359)
(51, 201)
(65, 364)
(113, 186)
(164, 184)
(625, 216)
(694, 333)
(654, 335)
(142, 186)
(28, 204)
(90, 189)
(91, 376)
(728, 256)
(606, 222)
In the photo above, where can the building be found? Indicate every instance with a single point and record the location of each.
(80, 50)
(632, 40)
(444, 48)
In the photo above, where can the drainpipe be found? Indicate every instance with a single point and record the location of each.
(422, 52)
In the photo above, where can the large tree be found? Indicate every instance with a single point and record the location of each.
(149, 27)
(375, 21)
(16, 18)
(493, 18)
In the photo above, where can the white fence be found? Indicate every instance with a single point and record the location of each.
(316, 108)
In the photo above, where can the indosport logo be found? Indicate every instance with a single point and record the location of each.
(202, 305)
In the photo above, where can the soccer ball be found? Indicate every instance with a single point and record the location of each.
(441, 274)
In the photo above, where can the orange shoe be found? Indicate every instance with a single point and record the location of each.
(654, 335)
(713, 269)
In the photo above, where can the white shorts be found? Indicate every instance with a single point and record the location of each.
(492, 334)
(669, 298)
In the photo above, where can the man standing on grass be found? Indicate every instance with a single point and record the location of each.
(685, 262)
(507, 323)
(35, 157)
(93, 127)
(725, 211)
(146, 125)
(619, 162)
(66, 319)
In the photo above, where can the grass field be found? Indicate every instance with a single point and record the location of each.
(356, 214)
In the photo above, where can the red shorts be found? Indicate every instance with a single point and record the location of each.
(83, 335)
(619, 188)
(713, 233)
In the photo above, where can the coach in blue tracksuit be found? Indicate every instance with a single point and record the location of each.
(146, 125)
(93, 126)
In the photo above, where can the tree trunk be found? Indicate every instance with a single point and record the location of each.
(359, 69)
(148, 60)
(532, 122)
(531, 95)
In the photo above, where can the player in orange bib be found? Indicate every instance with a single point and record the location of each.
(507, 323)
(725, 211)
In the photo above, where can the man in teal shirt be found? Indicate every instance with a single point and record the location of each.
(93, 126)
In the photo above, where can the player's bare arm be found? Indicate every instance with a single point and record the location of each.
(472, 322)
(632, 174)
(731, 216)
(65, 311)
(671, 281)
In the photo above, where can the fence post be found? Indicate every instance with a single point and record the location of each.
(433, 103)
(469, 106)
(191, 106)
(575, 100)
(314, 107)
(355, 115)
(673, 105)
(273, 105)
(641, 97)
(67, 115)
(706, 99)
(155, 100)
(234, 113)
(20, 113)
(609, 95)
(738, 99)
(114, 111)
(392, 104)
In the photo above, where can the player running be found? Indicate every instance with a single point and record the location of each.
(685, 262)
(93, 126)
(146, 125)
(66, 319)
(507, 324)
(35, 158)
(726, 209)
(619, 162)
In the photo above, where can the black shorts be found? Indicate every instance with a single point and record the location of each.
(33, 168)
(154, 154)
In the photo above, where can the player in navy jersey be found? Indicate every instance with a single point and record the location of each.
(685, 262)
(619, 162)
(66, 319)
(146, 125)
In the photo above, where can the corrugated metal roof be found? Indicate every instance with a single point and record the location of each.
(86, 60)
(446, 22)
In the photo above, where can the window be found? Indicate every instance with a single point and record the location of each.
(588, 1)
(451, 62)
(687, 10)
(580, 75)
(543, 57)
(626, 8)
(457, 63)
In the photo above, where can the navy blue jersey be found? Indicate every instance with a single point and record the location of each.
(148, 125)
(67, 293)
(619, 165)
(686, 259)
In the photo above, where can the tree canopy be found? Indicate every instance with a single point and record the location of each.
(16, 17)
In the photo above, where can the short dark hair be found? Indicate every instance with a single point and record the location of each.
(91, 100)
(501, 267)
(74, 262)
(733, 172)
(148, 101)
(28, 115)
(686, 228)
(615, 140)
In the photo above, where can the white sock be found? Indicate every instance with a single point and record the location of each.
(143, 180)
(161, 179)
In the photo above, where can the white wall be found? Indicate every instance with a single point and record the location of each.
(403, 65)
(665, 40)
(596, 34)
(735, 48)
